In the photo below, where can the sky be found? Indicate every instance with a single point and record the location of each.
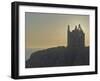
(46, 30)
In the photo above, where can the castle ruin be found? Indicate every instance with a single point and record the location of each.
(76, 37)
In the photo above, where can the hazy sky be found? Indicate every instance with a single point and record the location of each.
(45, 30)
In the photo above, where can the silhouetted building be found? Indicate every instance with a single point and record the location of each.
(76, 37)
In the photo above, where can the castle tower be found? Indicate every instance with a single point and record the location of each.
(81, 36)
(68, 28)
(76, 37)
(68, 36)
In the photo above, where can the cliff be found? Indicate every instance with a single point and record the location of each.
(59, 56)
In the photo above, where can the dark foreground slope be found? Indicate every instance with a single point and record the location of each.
(59, 56)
